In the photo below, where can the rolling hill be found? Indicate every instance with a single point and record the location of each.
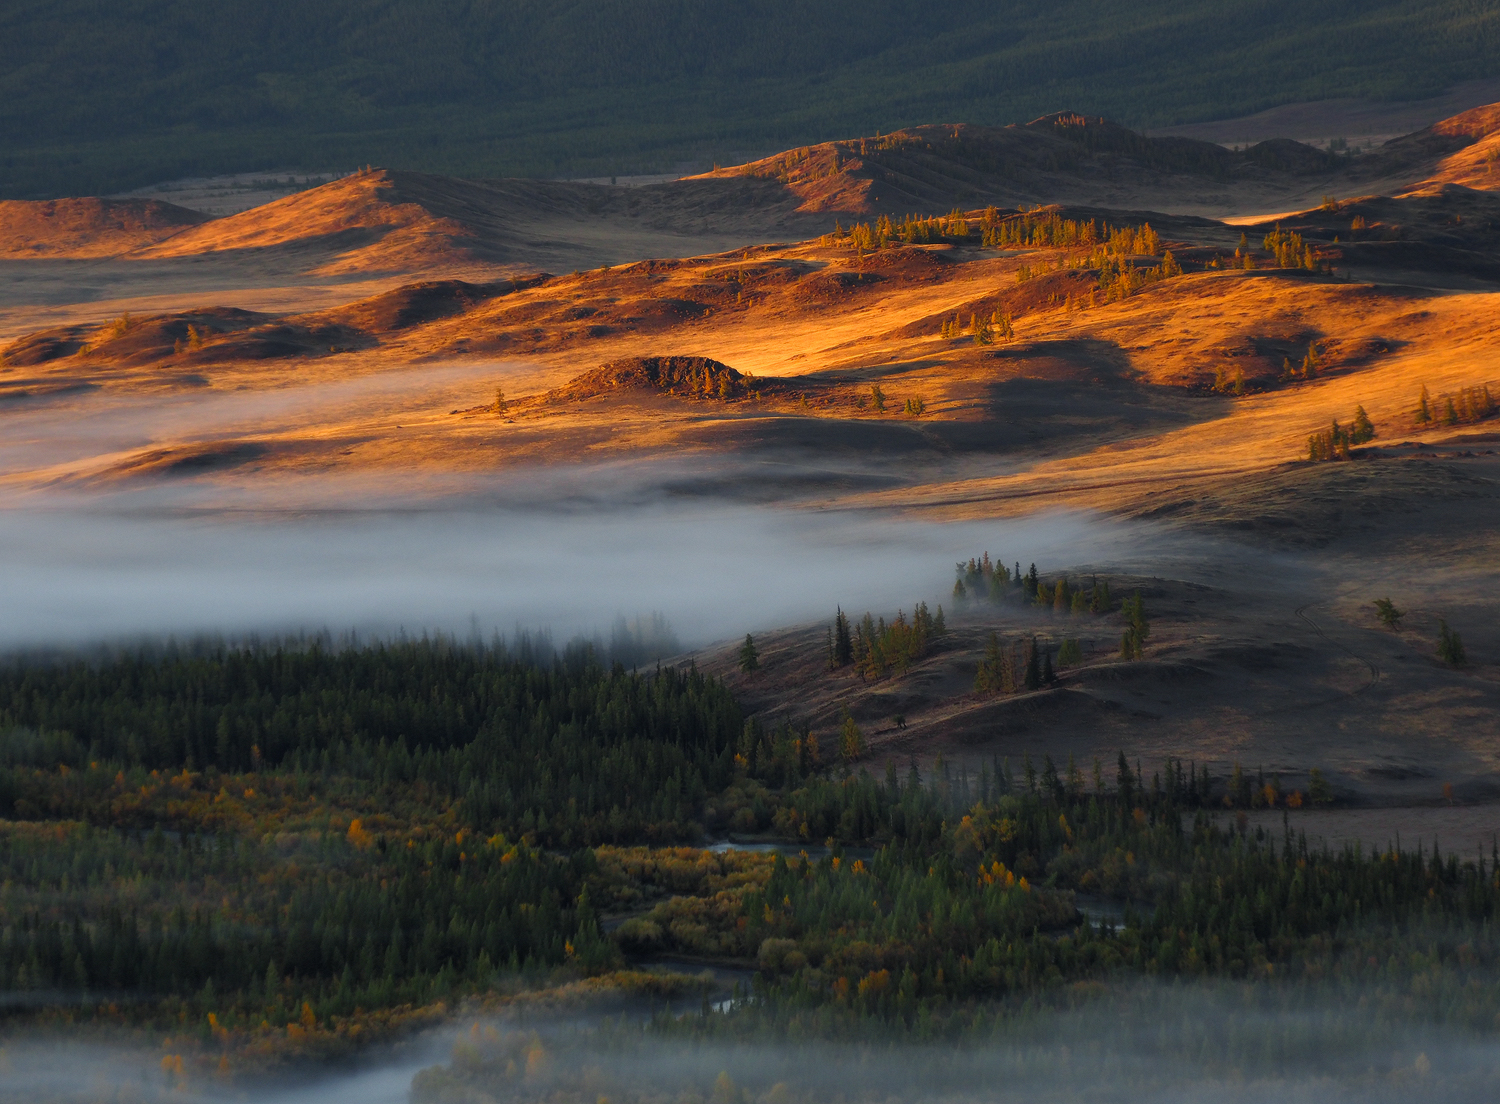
(383, 221)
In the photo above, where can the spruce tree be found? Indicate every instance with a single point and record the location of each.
(1051, 784)
(1389, 615)
(843, 644)
(1033, 666)
(749, 657)
(1137, 630)
(1363, 429)
(1124, 782)
(987, 680)
(1450, 646)
(851, 740)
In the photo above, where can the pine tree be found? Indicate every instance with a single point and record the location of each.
(1124, 782)
(843, 645)
(749, 657)
(988, 680)
(1101, 603)
(1363, 429)
(1137, 630)
(1389, 615)
(1051, 784)
(851, 740)
(1075, 778)
(1450, 646)
(1319, 792)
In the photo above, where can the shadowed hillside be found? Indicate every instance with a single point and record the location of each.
(389, 221)
(105, 97)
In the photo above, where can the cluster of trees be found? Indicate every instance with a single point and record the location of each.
(1229, 382)
(1263, 793)
(556, 746)
(1014, 668)
(274, 840)
(1119, 278)
(1450, 646)
(1466, 405)
(985, 331)
(1047, 229)
(867, 237)
(1037, 230)
(310, 917)
(1335, 441)
(981, 579)
(1308, 369)
(1290, 250)
(969, 897)
(874, 648)
(345, 924)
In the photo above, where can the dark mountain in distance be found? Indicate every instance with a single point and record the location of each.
(102, 97)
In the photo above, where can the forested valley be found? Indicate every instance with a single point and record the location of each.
(277, 851)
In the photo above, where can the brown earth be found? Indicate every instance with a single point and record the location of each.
(1170, 411)
(88, 227)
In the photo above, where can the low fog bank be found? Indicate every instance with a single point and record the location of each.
(84, 427)
(1171, 1044)
(56, 1071)
(568, 551)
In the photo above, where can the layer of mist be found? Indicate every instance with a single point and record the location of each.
(1173, 1044)
(349, 556)
(566, 547)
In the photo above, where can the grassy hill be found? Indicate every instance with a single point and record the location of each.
(98, 97)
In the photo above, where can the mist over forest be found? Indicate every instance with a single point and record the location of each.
(929, 610)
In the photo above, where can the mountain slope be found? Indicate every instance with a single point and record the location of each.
(108, 96)
(392, 221)
(88, 226)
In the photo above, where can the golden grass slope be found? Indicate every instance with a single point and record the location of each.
(88, 227)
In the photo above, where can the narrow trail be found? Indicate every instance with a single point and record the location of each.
(1301, 612)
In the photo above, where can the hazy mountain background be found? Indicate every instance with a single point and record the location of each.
(101, 96)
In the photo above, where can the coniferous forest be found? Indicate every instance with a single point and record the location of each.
(97, 98)
(271, 851)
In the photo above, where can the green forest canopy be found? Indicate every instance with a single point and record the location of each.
(97, 97)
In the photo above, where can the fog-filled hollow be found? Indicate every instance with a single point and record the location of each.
(566, 550)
